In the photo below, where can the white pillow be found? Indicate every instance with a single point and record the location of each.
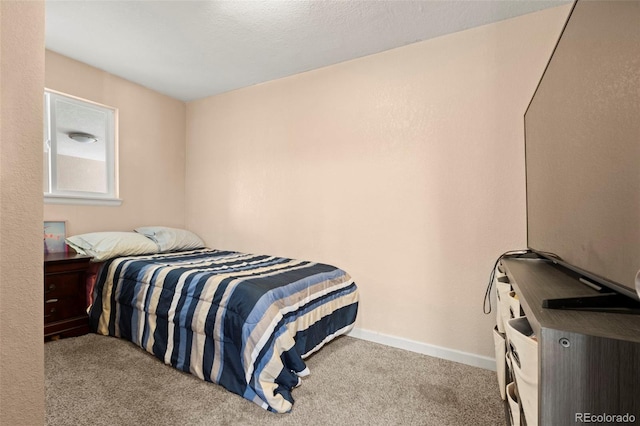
(105, 245)
(171, 239)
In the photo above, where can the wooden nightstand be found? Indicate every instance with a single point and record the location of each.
(64, 295)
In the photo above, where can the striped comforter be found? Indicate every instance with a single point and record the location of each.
(243, 321)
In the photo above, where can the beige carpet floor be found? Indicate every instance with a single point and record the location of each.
(97, 380)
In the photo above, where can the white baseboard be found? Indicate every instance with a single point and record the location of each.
(426, 349)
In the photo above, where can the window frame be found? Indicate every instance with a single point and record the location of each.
(53, 195)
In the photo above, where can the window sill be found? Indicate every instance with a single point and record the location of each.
(89, 201)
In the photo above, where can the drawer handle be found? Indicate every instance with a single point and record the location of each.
(52, 287)
(51, 312)
(52, 301)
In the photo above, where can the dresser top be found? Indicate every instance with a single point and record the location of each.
(65, 257)
(536, 279)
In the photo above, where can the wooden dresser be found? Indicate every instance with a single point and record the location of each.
(588, 363)
(64, 295)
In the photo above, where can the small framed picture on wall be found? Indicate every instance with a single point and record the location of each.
(54, 234)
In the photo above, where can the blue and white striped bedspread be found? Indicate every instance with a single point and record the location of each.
(243, 321)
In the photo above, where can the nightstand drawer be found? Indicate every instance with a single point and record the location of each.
(63, 285)
(60, 309)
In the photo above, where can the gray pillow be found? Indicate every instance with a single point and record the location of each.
(171, 239)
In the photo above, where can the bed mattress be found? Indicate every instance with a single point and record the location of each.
(241, 320)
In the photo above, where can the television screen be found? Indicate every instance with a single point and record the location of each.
(582, 146)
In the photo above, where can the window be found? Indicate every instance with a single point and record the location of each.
(80, 146)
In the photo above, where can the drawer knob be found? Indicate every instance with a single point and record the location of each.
(52, 287)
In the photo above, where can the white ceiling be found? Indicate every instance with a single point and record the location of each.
(193, 49)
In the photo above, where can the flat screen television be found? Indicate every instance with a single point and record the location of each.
(582, 147)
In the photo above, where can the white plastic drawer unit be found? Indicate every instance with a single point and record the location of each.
(523, 350)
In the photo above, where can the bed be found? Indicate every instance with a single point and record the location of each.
(244, 321)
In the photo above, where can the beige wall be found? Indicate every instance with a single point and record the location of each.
(151, 150)
(405, 168)
(21, 296)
